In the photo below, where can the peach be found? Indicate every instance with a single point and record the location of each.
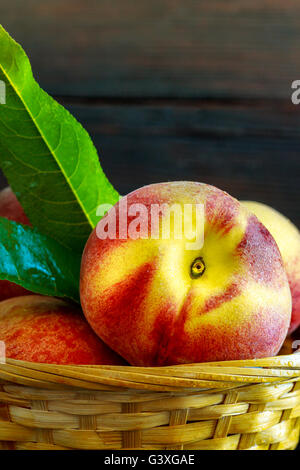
(287, 237)
(11, 209)
(44, 329)
(161, 300)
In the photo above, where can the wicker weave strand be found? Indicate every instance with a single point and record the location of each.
(229, 405)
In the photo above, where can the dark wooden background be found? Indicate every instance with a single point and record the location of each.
(176, 90)
(172, 90)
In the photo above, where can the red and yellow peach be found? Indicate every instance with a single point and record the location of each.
(43, 329)
(155, 302)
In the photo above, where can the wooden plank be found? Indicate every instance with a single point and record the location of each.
(249, 150)
(169, 48)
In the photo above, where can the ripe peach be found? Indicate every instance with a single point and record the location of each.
(11, 209)
(287, 237)
(44, 329)
(159, 301)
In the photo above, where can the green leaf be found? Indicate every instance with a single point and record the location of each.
(46, 155)
(37, 262)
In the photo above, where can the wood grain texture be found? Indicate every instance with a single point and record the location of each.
(219, 48)
(250, 150)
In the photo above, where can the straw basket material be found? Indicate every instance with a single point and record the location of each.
(252, 404)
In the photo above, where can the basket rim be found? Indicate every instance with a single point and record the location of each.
(200, 376)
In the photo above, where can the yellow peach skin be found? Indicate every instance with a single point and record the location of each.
(287, 237)
(155, 302)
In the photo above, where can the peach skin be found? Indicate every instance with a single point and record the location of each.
(158, 299)
(287, 237)
(11, 209)
(37, 328)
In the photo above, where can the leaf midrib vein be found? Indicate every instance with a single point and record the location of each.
(15, 88)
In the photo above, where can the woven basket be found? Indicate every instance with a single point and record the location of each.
(252, 404)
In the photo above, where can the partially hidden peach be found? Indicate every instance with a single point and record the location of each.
(11, 209)
(48, 330)
(157, 301)
(287, 237)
